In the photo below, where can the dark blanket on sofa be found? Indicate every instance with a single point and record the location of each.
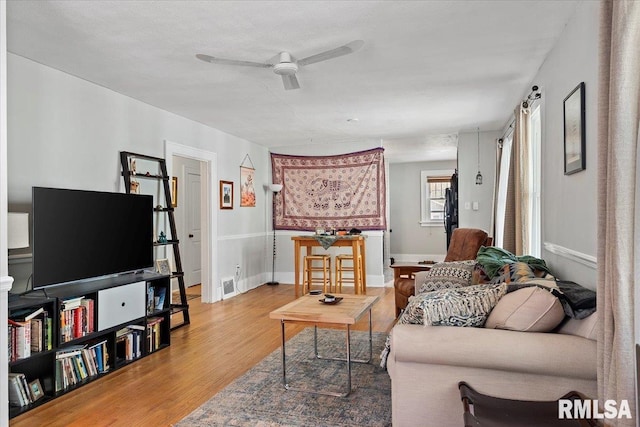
(577, 301)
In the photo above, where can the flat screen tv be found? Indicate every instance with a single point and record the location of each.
(81, 234)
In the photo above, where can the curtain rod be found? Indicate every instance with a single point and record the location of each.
(533, 95)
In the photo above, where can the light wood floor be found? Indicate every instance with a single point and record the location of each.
(223, 341)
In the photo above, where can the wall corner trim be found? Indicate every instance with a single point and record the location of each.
(579, 257)
(5, 283)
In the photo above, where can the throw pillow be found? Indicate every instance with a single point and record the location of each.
(465, 306)
(445, 275)
(531, 309)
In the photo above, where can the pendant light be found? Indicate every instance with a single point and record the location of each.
(479, 174)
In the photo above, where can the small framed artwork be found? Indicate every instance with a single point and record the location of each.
(174, 191)
(226, 195)
(247, 191)
(574, 131)
(35, 390)
(162, 266)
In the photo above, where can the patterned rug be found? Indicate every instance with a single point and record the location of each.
(259, 399)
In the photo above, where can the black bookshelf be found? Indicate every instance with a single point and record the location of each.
(133, 297)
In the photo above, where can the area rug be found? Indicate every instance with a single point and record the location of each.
(259, 399)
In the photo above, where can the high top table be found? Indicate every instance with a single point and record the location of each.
(356, 242)
(310, 311)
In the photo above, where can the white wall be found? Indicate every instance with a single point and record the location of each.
(469, 192)
(66, 132)
(569, 205)
(409, 240)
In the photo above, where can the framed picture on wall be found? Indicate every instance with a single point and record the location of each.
(226, 195)
(574, 131)
(174, 191)
(247, 191)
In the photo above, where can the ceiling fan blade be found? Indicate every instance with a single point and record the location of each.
(333, 53)
(290, 81)
(214, 60)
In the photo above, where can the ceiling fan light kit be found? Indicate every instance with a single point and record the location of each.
(286, 65)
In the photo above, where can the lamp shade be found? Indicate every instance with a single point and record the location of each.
(18, 230)
(276, 188)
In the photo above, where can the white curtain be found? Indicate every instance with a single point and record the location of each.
(618, 136)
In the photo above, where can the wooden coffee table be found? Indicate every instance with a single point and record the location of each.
(309, 310)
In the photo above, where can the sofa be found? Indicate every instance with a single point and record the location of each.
(528, 349)
(464, 245)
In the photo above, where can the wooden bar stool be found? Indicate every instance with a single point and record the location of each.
(317, 264)
(341, 268)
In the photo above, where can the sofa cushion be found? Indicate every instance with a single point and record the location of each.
(446, 275)
(586, 328)
(465, 306)
(531, 309)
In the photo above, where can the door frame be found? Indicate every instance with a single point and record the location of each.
(209, 215)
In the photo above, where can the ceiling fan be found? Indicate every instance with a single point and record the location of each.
(285, 65)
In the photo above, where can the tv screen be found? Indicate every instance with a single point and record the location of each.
(81, 234)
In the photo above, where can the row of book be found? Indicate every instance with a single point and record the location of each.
(76, 318)
(129, 342)
(154, 335)
(30, 331)
(77, 363)
(21, 392)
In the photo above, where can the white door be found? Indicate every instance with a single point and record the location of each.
(192, 263)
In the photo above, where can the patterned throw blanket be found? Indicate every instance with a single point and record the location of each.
(492, 259)
(342, 191)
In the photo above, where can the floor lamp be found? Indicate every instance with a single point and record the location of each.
(275, 189)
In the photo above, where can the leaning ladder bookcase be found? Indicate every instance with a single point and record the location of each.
(125, 159)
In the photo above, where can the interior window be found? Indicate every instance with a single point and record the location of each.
(433, 185)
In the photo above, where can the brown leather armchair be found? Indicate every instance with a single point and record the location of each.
(464, 245)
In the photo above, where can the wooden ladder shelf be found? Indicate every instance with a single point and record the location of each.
(127, 173)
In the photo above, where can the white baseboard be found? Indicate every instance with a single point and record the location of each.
(579, 257)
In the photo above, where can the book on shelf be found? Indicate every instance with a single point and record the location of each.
(27, 337)
(20, 336)
(150, 299)
(129, 342)
(77, 320)
(26, 314)
(18, 394)
(154, 332)
(159, 298)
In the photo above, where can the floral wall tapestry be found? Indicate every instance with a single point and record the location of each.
(330, 192)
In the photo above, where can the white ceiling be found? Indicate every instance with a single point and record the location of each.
(427, 70)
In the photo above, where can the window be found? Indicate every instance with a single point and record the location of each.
(433, 186)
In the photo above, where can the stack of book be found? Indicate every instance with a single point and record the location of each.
(77, 363)
(29, 332)
(20, 393)
(153, 333)
(76, 318)
(129, 342)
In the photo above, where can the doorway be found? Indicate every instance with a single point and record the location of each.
(204, 220)
(188, 217)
